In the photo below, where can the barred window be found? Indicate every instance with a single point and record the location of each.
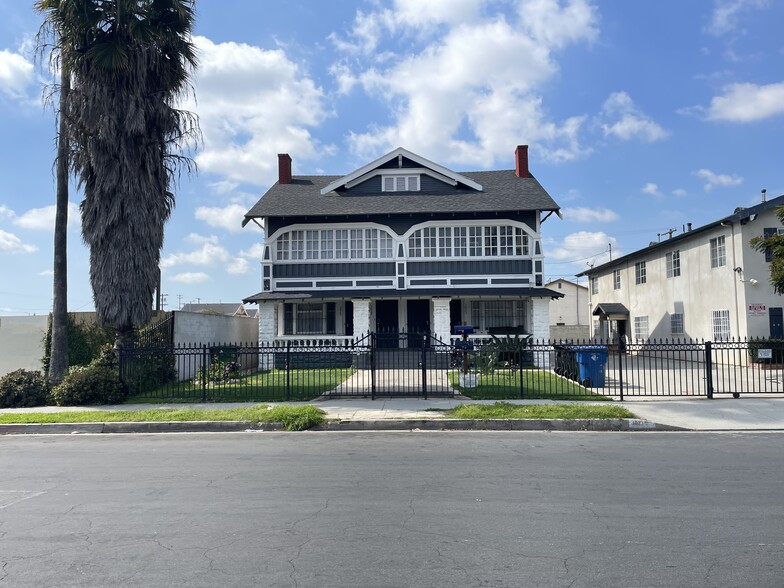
(721, 324)
(309, 318)
(676, 323)
(641, 327)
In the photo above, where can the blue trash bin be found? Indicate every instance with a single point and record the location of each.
(593, 361)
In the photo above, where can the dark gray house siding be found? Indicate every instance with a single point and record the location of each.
(469, 267)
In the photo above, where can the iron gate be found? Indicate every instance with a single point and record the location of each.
(392, 363)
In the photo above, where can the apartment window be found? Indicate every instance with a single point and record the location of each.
(400, 183)
(371, 243)
(311, 244)
(641, 327)
(674, 264)
(475, 241)
(676, 323)
(356, 243)
(721, 324)
(718, 253)
(283, 246)
(309, 319)
(616, 279)
(491, 241)
(327, 244)
(445, 242)
(385, 245)
(297, 244)
(461, 241)
(486, 314)
(341, 244)
(640, 276)
(506, 245)
(594, 285)
(521, 242)
(429, 242)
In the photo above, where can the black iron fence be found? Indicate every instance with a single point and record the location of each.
(422, 366)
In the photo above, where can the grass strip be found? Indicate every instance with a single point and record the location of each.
(507, 410)
(293, 418)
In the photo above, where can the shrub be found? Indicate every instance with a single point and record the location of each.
(85, 341)
(23, 388)
(97, 383)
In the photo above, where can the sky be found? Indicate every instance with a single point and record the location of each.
(640, 117)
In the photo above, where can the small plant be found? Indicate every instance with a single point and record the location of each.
(97, 383)
(23, 388)
(223, 368)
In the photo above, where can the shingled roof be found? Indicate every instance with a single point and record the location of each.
(502, 191)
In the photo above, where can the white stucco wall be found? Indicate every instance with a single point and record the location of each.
(572, 309)
(21, 342)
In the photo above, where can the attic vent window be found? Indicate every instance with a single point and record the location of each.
(400, 183)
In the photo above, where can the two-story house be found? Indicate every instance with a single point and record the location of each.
(402, 244)
(706, 283)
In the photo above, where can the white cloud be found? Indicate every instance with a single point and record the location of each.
(470, 92)
(652, 189)
(587, 215)
(190, 278)
(583, 248)
(210, 253)
(10, 243)
(6, 212)
(238, 266)
(747, 102)
(679, 192)
(256, 251)
(16, 74)
(43, 218)
(724, 18)
(253, 104)
(229, 217)
(625, 121)
(713, 179)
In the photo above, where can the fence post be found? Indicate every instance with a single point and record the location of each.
(205, 357)
(709, 368)
(520, 364)
(288, 371)
(424, 365)
(621, 351)
(372, 366)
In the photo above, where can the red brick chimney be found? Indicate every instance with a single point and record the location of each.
(284, 168)
(521, 162)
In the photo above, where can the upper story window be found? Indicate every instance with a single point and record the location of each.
(718, 253)
(327, 244)
(474, 241)
(400, 183)
(640, 275)
(720, 320)
(616, 279)
(674, 264)
(594, 285)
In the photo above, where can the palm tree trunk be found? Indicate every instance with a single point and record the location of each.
(58, 358)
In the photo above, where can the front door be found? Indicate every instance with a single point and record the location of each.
(418, 321)
(386, 323)
(776, 323)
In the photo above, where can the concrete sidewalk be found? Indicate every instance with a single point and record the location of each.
(719, 414)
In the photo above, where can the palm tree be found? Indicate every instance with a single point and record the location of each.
(130, 62)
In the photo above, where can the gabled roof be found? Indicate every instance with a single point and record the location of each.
(611, 310)
(740, 215)
(371, 167)
(502, 191)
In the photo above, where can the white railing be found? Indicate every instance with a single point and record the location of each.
(314, 341)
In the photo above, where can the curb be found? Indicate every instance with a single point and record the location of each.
(337, 426)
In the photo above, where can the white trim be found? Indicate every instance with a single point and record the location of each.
(406, 171)
(392, 155)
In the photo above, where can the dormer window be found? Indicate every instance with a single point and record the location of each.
(398, 183)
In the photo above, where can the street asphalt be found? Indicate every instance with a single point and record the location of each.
(752, 413)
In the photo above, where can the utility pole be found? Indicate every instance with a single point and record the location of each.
(179, 301)
(609, 245)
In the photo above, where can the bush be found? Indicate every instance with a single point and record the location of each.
(22, 388)
(85, 341)
(776, 347)
(97, 383)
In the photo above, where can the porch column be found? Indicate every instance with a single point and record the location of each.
(361, 317)
(440, 322)
(268, 330)
(540, 328)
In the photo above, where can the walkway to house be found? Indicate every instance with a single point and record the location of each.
(396, 382)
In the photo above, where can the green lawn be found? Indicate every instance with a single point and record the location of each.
(264, 386)
(537, 384)
(505, 410)
(294, 418)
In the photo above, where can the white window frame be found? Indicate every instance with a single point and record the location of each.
(677, 324)
(720, 322)
(641, 327)
(616, 279)
(718, 252)
(640, 273)
(674, 263)
(399, 183)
